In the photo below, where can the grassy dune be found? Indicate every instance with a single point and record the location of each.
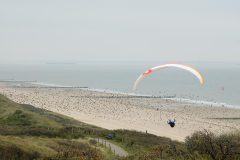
(31, 133)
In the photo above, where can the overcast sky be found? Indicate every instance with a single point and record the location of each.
(119, 30)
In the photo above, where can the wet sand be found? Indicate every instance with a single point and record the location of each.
(115, 111)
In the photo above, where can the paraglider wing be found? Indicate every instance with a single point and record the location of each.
(190, 69)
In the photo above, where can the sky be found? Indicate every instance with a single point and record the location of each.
(34, 31)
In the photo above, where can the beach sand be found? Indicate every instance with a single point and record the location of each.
(116, 111)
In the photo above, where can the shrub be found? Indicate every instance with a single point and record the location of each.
(220, 147)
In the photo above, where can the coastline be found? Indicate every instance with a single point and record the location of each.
(133, 112)
(177, 99)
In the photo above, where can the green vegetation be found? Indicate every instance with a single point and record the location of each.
(13, 147)
(29, 133)
(214, 147)
(17, 118)
(202, 145)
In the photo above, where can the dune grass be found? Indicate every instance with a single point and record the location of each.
(31, 144)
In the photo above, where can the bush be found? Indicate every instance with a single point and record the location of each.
(221, 147)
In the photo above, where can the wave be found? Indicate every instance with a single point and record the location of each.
(42, 84)
(209, 103)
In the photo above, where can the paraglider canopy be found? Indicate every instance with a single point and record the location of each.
(190, 69)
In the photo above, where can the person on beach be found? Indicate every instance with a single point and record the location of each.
(172, 123)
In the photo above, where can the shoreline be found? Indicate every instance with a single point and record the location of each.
(35, 84)
(122, 111)
(177, 99)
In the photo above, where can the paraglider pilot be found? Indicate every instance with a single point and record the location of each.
(172, 123)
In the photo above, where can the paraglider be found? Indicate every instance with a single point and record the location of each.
(190, 69)
(172, 123)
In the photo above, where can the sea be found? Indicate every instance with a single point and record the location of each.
(221, 88)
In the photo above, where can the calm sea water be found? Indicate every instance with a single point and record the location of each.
(222, 79)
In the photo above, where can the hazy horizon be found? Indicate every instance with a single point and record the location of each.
(105, 31)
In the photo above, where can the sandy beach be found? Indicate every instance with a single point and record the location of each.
(116, 111)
